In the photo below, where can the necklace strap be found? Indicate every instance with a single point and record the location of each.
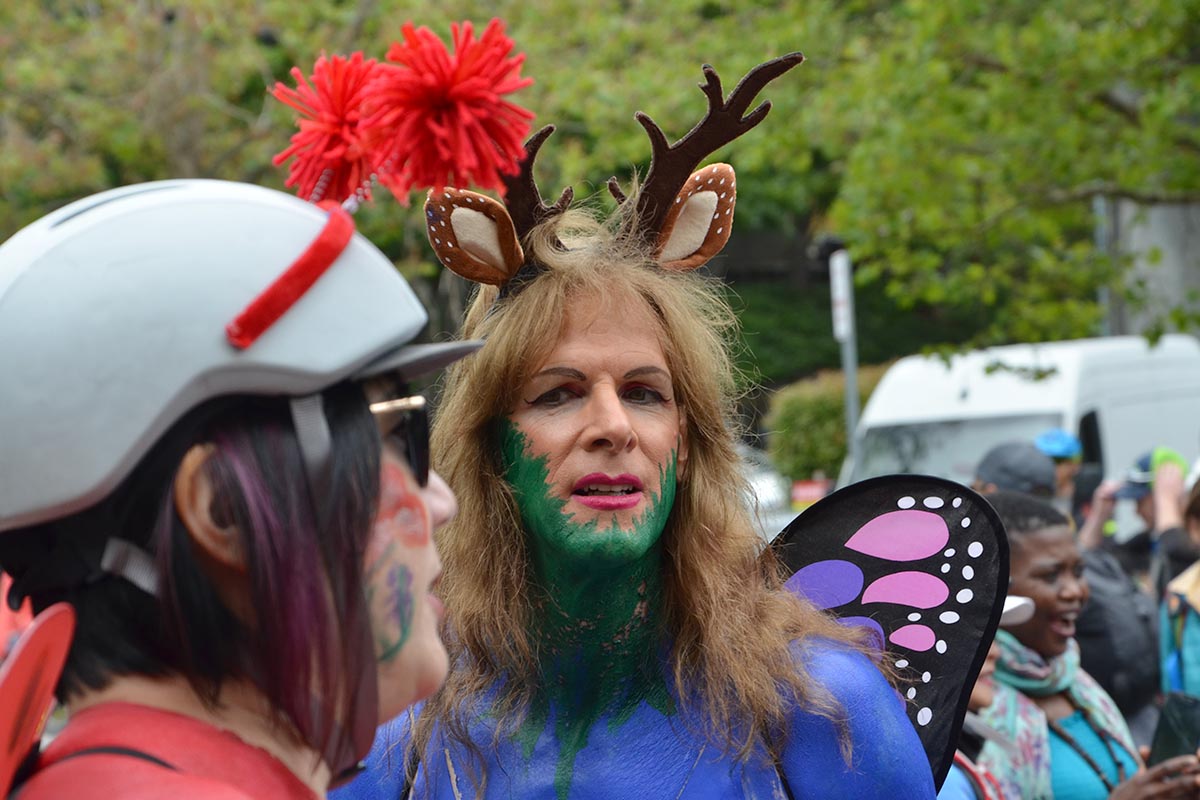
(1104, 736)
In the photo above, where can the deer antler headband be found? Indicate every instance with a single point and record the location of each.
(683, 216)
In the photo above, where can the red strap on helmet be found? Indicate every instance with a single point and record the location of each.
(289, 287)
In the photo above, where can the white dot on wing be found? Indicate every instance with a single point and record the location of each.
(934, 502)
(906, 502)
(924, 716)
(975, 549)
(940, 646)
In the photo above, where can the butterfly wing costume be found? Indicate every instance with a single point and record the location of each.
(922, 564)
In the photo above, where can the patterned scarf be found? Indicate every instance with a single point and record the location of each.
(1021, 674)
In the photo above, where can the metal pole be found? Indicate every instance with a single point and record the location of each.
(1103, 212)
(841, 287)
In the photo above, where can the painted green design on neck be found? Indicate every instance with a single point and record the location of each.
(597, 607)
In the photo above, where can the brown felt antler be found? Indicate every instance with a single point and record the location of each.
(671, 164)
(521, 196)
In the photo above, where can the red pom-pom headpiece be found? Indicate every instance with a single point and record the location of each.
(332, 159)
(427, 119)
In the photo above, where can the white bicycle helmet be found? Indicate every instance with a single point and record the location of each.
(113, 325)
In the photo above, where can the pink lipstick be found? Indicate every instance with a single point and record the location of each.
(607, 492)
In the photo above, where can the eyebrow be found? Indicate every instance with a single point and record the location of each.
(638, 372)
(574, 374)
(565, 372)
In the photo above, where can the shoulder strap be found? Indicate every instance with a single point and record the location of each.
(410, 774)
(101, 750)
(106, 750)
(783, 783)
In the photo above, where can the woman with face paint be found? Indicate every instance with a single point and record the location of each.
(615, 631)
(220, 470)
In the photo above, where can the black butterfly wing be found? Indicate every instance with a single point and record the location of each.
(922, 563)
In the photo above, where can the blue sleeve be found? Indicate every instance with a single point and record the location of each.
(887, 760)
(958, 786)
(1170, 659)
(383, 777)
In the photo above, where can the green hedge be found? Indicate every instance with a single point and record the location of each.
(806, 432)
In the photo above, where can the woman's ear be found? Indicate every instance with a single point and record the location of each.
(194, 494)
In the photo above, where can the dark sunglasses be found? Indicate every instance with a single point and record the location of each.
(407, 424)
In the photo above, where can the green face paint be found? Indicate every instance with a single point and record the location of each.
(597, 628)
(390, 600)
(559, 545)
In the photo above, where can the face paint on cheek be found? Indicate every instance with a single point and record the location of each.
(390, 600)
(401, 510)
(529, 477)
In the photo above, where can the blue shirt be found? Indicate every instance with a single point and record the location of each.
(652, 755)
(1071, 777)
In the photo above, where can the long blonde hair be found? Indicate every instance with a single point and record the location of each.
(728, 620)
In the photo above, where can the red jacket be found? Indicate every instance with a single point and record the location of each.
(148, 754)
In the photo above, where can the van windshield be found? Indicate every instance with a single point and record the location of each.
(946, 448)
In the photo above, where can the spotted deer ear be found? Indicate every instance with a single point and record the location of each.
(700, 220)
(473, 236)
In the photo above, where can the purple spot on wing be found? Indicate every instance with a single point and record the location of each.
(914, 637)
(916, 589)
(875, 637)
(901, 536)
(827, 584)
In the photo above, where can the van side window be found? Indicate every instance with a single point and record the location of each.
(1089, 438)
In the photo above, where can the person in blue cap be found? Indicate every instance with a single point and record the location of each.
(1065, 449)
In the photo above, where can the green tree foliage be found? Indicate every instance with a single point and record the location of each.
(976, 134)
(956, 145)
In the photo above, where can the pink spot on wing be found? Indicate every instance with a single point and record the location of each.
(914, 637)
(901, 536)
(915, 589)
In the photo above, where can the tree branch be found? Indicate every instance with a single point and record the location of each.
(1087, 191)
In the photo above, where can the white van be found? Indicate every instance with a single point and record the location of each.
(1121, 396)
